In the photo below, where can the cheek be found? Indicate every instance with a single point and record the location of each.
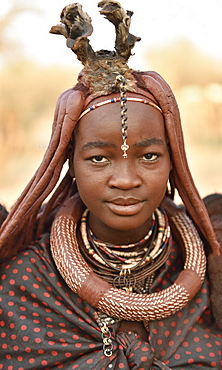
(159, 182)
(88, 184)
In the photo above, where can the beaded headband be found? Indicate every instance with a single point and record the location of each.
(116, 100)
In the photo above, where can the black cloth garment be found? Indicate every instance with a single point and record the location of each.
(45, 325)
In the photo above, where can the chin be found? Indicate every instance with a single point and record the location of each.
(127, 223)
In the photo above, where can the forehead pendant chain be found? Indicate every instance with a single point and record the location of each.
(123, 99)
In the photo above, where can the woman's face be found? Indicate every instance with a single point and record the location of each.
(120, 193)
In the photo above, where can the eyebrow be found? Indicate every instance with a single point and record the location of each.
(98, 144)
(107, 144)
(148, 142)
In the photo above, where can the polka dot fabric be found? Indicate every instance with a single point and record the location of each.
(189, 339)
(44, 325)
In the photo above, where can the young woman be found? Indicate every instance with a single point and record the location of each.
(110, 273)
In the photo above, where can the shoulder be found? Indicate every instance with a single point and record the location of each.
(28, 263)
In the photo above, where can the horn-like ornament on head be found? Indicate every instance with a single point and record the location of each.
(102, 67)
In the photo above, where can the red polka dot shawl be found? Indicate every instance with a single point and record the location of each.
(44, 325)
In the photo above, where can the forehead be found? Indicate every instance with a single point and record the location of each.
(142, 120)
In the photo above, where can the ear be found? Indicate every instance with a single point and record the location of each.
(70, 155)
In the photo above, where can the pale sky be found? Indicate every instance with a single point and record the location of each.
(156, 22)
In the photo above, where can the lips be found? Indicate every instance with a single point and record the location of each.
(125, 206)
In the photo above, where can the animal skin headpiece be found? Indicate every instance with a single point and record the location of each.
(102, 67)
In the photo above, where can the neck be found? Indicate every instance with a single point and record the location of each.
(115, 236)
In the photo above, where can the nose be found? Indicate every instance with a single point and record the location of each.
(125, 176)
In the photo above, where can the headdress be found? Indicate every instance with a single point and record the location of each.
(100, 68)
(104, 72)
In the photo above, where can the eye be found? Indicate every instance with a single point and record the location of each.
(99, 159)
(150, 157)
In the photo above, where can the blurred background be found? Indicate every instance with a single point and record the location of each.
(182, 40)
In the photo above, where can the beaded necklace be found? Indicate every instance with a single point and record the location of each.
(136, 262)
(80, 276)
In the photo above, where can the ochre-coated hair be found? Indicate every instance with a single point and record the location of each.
(29, 216)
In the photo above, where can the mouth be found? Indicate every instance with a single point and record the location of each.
(125, 206)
